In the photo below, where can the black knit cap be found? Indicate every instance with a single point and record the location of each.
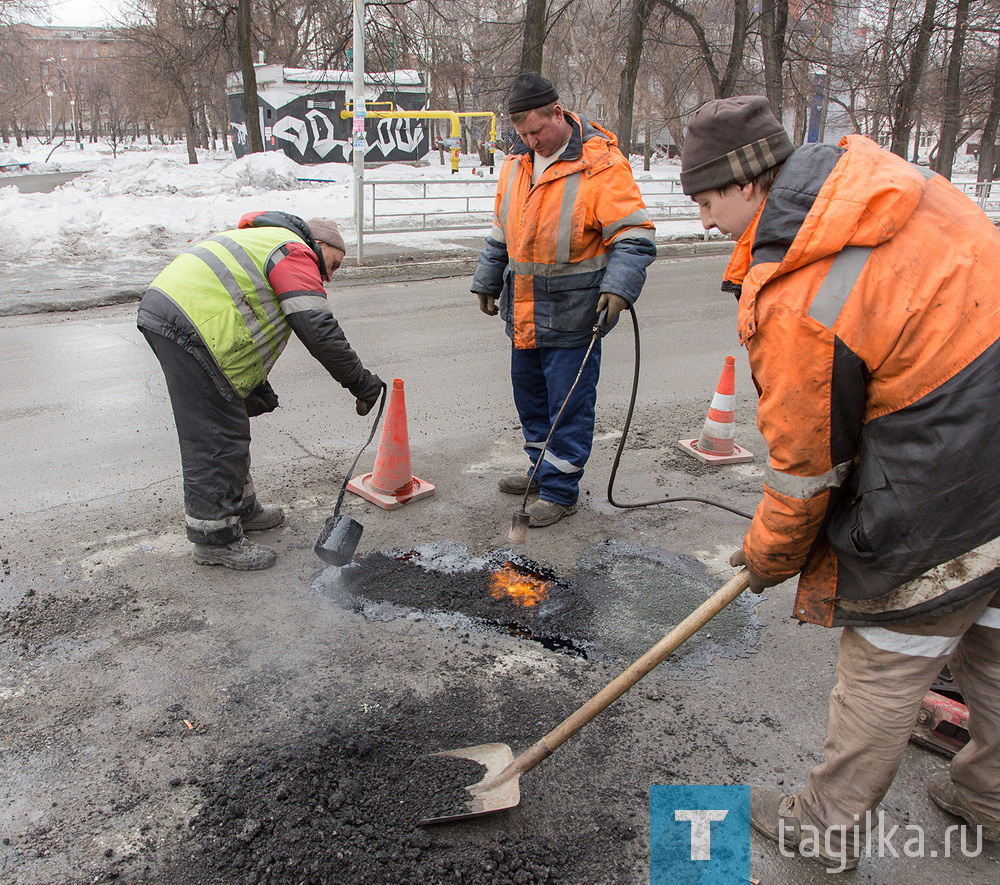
(530, 91)
(731, 141)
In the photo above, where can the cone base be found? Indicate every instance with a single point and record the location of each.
(738, 456)
(362, 485)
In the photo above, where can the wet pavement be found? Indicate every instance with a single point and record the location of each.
(154, 709)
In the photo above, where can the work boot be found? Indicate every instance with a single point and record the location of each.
(543, 513)
(269, 516)
(773, 814)
(946, 794)
(517, 484)
(242, 555)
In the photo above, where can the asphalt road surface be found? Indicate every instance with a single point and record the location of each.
(40, 183)
(133, 682)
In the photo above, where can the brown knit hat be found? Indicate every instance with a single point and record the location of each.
(731, 141)
(530, 91)
(325, 230)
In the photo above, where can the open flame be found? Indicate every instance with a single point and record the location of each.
(524, 589)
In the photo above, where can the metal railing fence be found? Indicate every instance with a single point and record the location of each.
(408, 205)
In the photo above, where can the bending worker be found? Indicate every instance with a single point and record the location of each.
(570, 237)
(217, 318)
(869, 303)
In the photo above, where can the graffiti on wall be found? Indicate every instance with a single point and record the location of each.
(310, 134)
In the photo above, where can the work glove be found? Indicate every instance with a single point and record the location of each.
(615, 304)
(370, 394)
(757, 583)
(488, 304)
(261, 399)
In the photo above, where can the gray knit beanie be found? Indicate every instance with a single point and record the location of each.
(325, 230)
(530, 91)
(731, 141)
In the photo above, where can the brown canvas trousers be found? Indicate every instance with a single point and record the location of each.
(883, 674)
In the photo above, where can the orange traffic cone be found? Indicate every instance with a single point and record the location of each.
(390, 484)
(716, 445)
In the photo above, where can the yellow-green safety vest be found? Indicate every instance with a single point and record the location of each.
(221, 286)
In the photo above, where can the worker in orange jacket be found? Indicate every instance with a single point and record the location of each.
(571, 236)
(869, 303)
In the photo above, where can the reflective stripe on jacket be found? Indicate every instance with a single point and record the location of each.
(583, 229)
(221, 286)
(232, 300)
(871, 313)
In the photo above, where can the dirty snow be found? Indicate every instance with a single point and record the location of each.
(151, 195)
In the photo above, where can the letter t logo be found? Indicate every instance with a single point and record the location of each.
(701, 829)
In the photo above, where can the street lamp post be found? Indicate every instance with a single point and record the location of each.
(72, 113)
(49, 93)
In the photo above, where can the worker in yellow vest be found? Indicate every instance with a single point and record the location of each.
(217, 318)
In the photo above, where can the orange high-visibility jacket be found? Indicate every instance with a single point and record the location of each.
(870, 308)
(555, 247)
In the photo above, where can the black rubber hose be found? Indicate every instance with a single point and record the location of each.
(621, 447)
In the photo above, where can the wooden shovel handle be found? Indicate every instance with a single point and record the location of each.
(623, 682)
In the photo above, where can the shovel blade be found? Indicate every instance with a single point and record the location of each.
(495, 757)
(338, 540)
(518, 533)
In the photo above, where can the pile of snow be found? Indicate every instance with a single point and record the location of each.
(149, 198)
(153, 199)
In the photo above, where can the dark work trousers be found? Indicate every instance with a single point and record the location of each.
(541, 378)
(214, 436)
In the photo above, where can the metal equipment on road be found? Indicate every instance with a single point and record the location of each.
(499, 788)
(340, 536)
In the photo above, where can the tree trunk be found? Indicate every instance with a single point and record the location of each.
(647, 148)
(903, 111)
(244, 43)
(722, 86)
(952, 119)
(741, 21)
(630, 71)
(774, 23)
(191, 133)
(987, 146)
(533, 44)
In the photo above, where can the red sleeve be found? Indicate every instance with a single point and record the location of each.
(296, 271)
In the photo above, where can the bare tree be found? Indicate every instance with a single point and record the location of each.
(533, 41)
(905, 104)
(952, 116)
(638, 18)
(723, 84)
(773, 25)
(244, 43)
(181, 40)
(987, 144)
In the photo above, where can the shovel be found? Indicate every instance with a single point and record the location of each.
(499, 787)
(519, 520)
(340, 536)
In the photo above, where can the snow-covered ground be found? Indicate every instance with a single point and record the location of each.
(151, 198)
(148, 200)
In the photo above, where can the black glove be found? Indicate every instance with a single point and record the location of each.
(757, 583)
(369, 394)
(488, 304)
(261, 399)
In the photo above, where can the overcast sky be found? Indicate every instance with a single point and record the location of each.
(82, 12)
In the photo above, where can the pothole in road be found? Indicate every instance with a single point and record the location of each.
(618, 602)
